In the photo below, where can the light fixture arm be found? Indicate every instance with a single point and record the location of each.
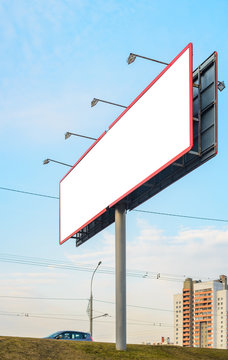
(68, 134)
(95, 101)
(55, 161)
(133, 56)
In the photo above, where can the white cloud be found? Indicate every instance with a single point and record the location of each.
(191, 251)
(200, 252)
(104, 252)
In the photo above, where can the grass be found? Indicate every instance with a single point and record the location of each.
(16, 348)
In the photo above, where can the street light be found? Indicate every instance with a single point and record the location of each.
(95, 101)
(46, 161)
(131, 58)
(68, 134)
(91, 301)
(221, 85)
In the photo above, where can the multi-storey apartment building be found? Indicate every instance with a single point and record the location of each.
(178, 319)
(201, 314)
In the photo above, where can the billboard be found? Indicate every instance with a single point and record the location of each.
(151, 134)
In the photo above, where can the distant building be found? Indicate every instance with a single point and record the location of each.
(164, 341)
(201, 314)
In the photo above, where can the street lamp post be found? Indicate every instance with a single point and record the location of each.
(91, 301)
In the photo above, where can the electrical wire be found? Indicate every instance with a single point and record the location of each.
(28, 193)
(83, 299)
(40, 316)
(136, 306)
(59, 264)
(42, 298)
(179, 215)
(135, 210)
(51, 263)
(95, 300)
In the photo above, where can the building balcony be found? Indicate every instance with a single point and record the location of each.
(203, 292)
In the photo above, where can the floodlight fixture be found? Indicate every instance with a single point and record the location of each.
(68, 134)
(46, 161)
(95, 101)
(221, 85)
(131, 58)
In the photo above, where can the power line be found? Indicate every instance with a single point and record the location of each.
(83, 299)
(28, 193)
(42, 298)
(22, 313)
(136, 306)
(179, 215)
(96, 300)
(51, 263)
(135, 210)
(27, 315)
(40, 316)
(58, 264)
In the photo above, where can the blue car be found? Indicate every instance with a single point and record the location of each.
(70, 335)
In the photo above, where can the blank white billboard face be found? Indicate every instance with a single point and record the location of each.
(154, 131)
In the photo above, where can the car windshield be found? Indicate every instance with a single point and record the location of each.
(54, 335)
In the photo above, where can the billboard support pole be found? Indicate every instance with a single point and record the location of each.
(120, 236)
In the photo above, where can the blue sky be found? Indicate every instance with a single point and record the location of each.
(55, 57)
